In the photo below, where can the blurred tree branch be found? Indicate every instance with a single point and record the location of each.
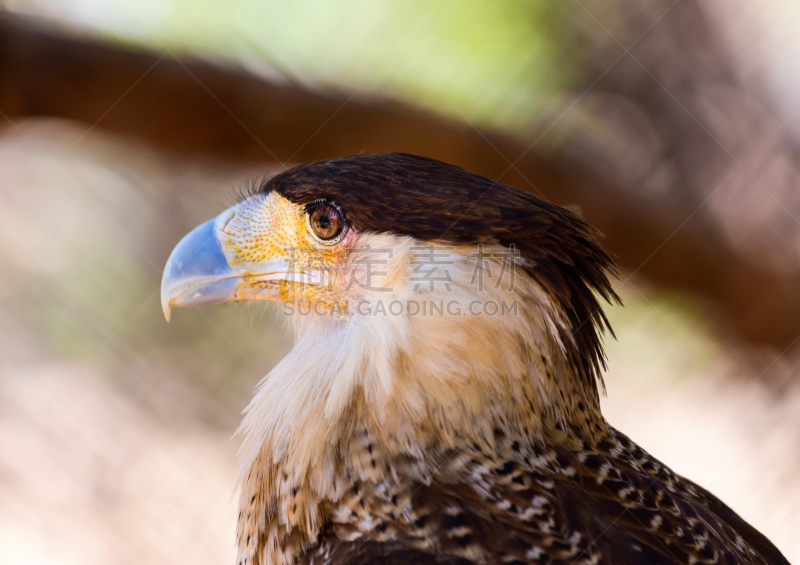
(206, 110)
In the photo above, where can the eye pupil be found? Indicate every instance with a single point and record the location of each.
(326, 221)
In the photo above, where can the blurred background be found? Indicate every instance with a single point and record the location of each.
(671, 125)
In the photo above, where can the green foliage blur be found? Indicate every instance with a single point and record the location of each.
(489, 62)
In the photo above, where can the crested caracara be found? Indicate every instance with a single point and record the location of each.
(441, 403)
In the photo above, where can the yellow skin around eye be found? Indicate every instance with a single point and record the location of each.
(268, 228)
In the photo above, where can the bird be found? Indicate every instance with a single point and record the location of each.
(441, 402)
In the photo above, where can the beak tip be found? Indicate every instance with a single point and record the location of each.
(166, 305)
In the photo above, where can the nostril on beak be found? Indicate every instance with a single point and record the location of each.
(224, 219)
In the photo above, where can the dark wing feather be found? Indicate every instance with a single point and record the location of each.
(753, 537)
(377, 553)
(496, 537)
(610, 503)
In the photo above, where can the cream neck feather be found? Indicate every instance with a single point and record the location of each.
(418, 384)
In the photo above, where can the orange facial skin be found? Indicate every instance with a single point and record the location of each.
(269, 230)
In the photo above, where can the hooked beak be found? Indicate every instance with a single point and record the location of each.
(198, 271)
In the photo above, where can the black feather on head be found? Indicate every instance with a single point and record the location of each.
(432, 201)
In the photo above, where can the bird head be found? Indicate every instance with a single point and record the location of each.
(433, 307)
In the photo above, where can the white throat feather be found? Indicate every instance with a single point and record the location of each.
(415, 385)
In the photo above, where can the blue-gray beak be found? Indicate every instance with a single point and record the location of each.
(197, 271)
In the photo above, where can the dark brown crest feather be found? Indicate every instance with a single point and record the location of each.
(430, 200)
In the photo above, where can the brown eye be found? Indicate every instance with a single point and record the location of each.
(326, 221)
